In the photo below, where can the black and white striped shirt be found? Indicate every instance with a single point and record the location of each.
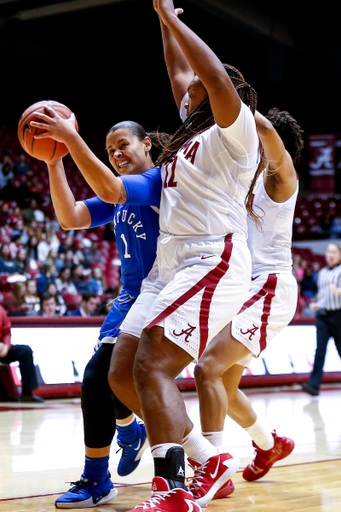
(328, 300)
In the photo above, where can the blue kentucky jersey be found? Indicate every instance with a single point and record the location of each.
(136, 225)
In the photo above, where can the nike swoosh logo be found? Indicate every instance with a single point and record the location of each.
(190, 505)
(213, 475)
(138, 446)
(205, 257)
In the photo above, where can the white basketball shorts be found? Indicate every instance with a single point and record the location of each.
(194, 289)
(270, 306)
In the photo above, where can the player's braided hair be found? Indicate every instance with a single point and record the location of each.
(202, 118)
(289, 131)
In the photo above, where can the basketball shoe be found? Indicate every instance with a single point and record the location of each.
(224, 491)
(85, 494)
(265, 459)
(164, 498)
(211, 477)
(132, 453)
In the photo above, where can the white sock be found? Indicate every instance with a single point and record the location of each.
(261, 435)
(215, 438)
(197, 447)
(160, 450)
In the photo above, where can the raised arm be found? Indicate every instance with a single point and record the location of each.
(224, 98)
(71, 214)
(179, 71)
(100, 178)
(280, 175)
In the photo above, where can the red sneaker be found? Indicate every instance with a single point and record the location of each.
(211, 476)
(224, 491)
(164, 499)
(265, 459)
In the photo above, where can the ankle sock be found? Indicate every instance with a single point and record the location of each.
(261, 435)
(197, 447)
(215, 438)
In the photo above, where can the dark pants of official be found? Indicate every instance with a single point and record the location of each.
(100, 406)
(328, 325)
(23, 354)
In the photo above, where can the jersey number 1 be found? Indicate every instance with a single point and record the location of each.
(126, 253)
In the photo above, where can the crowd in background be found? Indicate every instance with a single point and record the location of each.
(38, 258)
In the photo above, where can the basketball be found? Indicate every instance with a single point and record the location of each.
(43, 149)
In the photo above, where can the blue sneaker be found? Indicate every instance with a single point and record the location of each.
(132, 453)
(84, 494)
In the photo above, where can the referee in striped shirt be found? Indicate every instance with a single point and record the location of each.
(328, 316)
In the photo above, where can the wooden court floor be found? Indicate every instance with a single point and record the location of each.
(41, 448)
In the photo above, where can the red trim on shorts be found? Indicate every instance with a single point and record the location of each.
(268, 291)
(209, 282)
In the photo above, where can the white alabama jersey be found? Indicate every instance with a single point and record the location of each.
(270, 244)
(206, 183)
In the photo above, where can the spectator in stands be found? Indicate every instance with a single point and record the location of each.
(79, 278)
(328, 315)
(316, 268)
(97, 282)
(7, 264)
(31, 297)
(299, 266)
(21, 167)
(70, 259)
(5, 214)
(60, 302)
(48, 305)
(19, 228)
(6, 173)
(22, 262)
(19, 307)
(66, 245)
(15, 245)
(307, 284)
(33, 229)
(335, 228)
(47, 276)
(88, 305)
(16, 216)
(33, 212)
(53, 257)
(44, 247)
(64, 282)
(21, 353)
(32, 248)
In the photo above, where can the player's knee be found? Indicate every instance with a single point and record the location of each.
(201, 374)
(143, 371)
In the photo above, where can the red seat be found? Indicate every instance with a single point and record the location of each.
(72, 301)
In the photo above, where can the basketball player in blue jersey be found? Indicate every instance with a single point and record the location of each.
(136, 222)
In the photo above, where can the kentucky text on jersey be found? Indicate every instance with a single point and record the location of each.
(130, 219)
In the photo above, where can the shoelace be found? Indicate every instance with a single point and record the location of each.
(155, 500)
(79, 484)
(124, 448)
(198, 475)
